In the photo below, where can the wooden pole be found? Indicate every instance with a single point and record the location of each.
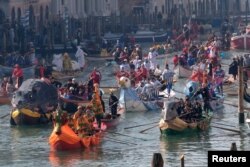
(233, 147)
(157, 160)
(182, 161)
(240, 92)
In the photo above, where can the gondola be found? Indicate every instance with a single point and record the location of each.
(172, 123)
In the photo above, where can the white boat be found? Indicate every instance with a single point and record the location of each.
(183, 72)
(130, 101)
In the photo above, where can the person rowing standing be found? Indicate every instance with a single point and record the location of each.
(167, 76)
(18, 74)
(113, 104)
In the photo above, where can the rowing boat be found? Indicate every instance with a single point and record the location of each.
(67, 139)
(173, 123)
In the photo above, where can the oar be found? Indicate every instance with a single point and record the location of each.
(142, 131)
(140, 125)
(116, 140)
(4, 116)
(232, 130)
(126, 135)
(223, 124)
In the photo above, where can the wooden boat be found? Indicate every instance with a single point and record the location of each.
(63, 76)
(182, 72)
(5, 100)
(27, 71)
(241, 42)
(172, 123)
(77, 101)
(67, 139)
(149, 36)
(110, 122)
(27, 117)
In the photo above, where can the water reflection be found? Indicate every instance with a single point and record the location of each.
(68, 158)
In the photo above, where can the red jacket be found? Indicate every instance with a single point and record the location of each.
(96, 76)
(17, 72)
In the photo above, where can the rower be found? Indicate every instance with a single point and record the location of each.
(113, 103)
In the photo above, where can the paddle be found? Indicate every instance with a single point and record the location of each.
(142, 131)
(232, 130)
(126, 135)
(4, 116)
(223, 124)
(130, 127)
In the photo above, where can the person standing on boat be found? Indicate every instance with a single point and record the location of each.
(175, 60)
(113, 103)
(218, 78)
(233, 68)
(167, 77)
(18, 74)
(204, 91)
(96, 76)
(152, 58)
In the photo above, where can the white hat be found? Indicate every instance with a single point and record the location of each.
(71, 88)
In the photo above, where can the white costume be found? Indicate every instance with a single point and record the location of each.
(80, 55)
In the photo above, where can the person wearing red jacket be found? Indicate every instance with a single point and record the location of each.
(96, 76)
(18, 74)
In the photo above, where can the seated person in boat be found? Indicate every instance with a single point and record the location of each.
(144, 72)
(137, 62)
(84, 123)
(157, 71)
(156, 87)
(197, 110)
(68, 84)
(125, 66)
(147, 91)
(75, 86)
(180, 107)
(113, 104)
(57, 84)
(67, 64)
(122, 73)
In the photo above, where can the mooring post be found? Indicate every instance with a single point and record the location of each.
(240, 92)
(233, 147)
(157, 160)
(182, 161)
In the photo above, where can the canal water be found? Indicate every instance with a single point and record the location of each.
(28, 146)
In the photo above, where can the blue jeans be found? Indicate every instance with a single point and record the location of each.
(169, 87)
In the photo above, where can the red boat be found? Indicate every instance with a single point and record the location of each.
(67, 139)
(241, 42)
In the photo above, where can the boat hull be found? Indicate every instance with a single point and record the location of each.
(68, 140)
(28, 117)
(178, 125)
(241, 42)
